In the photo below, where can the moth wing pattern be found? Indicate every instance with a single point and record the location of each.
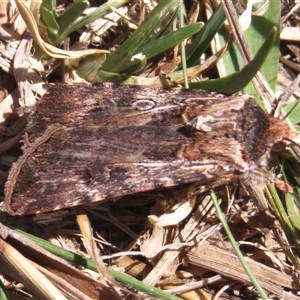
(116, 140)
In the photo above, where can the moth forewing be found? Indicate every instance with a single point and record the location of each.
(92, 143)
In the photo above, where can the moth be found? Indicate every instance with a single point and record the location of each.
(89, 143)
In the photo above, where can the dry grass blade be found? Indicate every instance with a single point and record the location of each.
(21, 267)
(227, 264)
(48, 48)
(166, 263)
(72, 282)
(86, 230)
(262, 87)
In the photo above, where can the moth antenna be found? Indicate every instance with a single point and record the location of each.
(290, 111)
(291, 141)
(295, 144)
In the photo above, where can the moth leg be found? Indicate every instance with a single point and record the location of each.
(25, 141)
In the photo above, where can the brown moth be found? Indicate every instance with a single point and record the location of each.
(91, 143)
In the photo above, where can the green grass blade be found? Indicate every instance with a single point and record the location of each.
(256, 35)
(237, 81)
(96, 14)
(56, 24)
(3, 293)
(70, 15)
(285, 221)
(204, 37)
(157, 46)
(48, 16)
(87, 263)
(120, 60)
(236, 249)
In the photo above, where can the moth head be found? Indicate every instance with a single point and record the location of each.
(280, 136)
(278, 148)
